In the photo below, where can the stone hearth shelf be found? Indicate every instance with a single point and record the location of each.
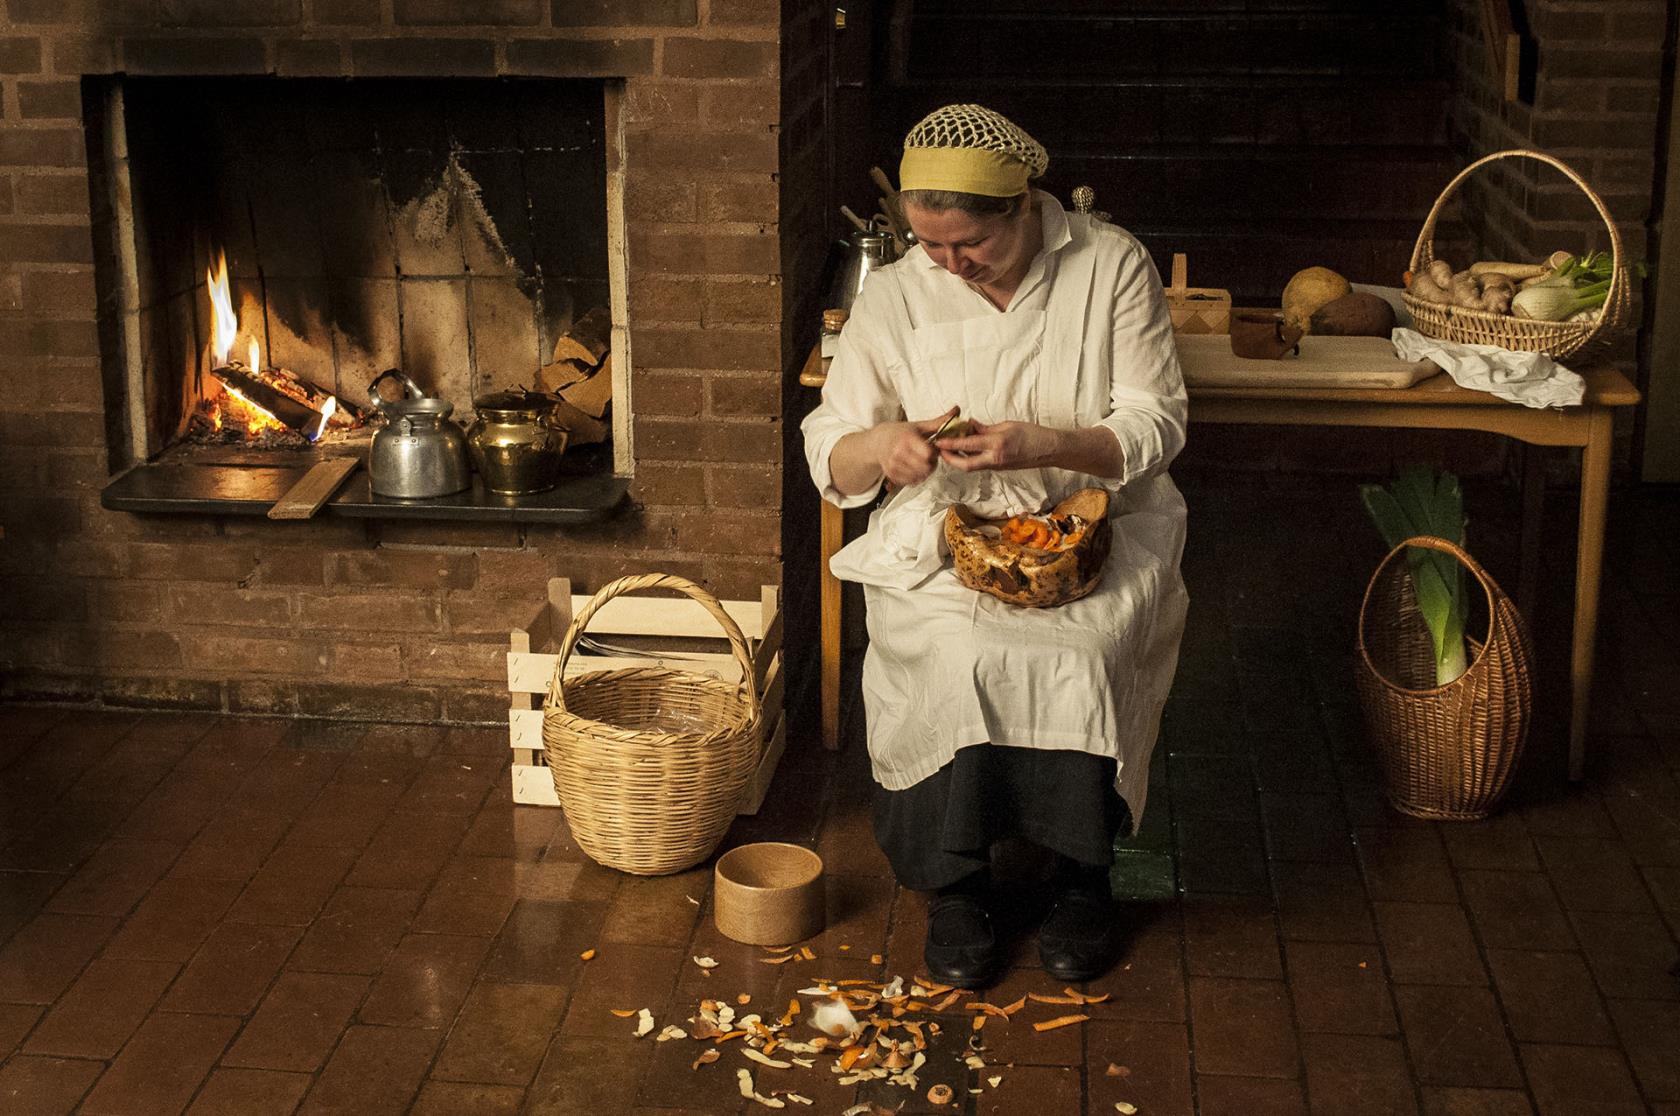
(232, 483)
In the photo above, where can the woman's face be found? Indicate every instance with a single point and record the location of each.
(982, 250)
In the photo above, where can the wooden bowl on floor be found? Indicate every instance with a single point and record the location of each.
(769, 894)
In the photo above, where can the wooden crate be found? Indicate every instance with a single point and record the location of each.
(1196, 309)
(533, 649)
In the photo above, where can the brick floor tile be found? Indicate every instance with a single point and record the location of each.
(452, 1098)
(344, 816)
(1593, 875)
(1549, 997)
(1031, 1088)
(162, 1065)
(1442, 1101)
(656, 910)
(48, 953)
(1016, 1041)
(1515, 910)
(232, 969)
(1248, 1096)
(846, 842)
(409, 850)
(1306, 827)
(1580, 1081)
(1154, 1058)
(179, 806)
(97, 1014)
(298, 1022)
(1322, 902)
(375, 1070)
(1629, 955)
(521, 832)
(1499, 843)
(501, 1034)
(1406, 865)
(1235, 936)
(1650, 1033)
(639, 977)
(1355, 1075)
(1146, 983)
(1218, 855)
(1650, 827)
(173, 920)
(1242, 1027)
(232, 846)
(1340, 987)
(115, 878)
(1292, 760)
(1457, 1037)
(356, 931)
(1213, 787)
(1366, 803)
(1568, 812)
(292, 886)
(16, 1021)
(560, 879)
(45, 1086)
(578, 1071)
(472, 895)
(424, 980)
(250, 1092)
(1428, 943)
(22, 895)
(541, 942)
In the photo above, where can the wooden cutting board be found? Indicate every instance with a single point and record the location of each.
(1325, 362)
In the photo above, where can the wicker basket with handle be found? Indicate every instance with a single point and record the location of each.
(649, 763)
(1483, 327)
(1445, 751)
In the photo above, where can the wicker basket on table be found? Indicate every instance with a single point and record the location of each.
(1445, 751)
(1483, 327)
(649, 763)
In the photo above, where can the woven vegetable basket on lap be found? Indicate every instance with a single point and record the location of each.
(1446, 751)
(1483, 327)
(649, 763)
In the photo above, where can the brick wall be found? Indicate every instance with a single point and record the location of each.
(399, 620)
(1596, 99)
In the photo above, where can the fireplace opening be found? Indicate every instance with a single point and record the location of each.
(270, 246)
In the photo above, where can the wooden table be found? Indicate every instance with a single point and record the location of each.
(1434, 404)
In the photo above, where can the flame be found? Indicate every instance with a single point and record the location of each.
(224, 323)
(326, 417)
(250, 415)
(254, 355)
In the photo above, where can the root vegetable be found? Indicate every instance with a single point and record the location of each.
(1308, 290)
(1441, 271)
(1360, 314)
(1425, 287)
(1466, 291)
(1515, 270)
(1497, 300)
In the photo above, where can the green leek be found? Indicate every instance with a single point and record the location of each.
(1420, 503)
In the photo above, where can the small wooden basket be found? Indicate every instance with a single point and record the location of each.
(769, 893)
(1448, 751)
(1196, 309)
(1507, 331)
(649, 763)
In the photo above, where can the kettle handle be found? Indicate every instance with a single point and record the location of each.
(410, 388)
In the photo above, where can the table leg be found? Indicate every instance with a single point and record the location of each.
(1595, 497)
(833, 537)
(1533, 514)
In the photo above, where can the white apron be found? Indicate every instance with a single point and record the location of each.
(948, 667)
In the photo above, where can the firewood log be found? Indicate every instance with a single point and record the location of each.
(588, 340)
(592, 395)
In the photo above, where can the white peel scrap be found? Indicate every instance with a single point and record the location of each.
(800, 1047)
(705, 962)
(670, 1033)
(798, 1099)
(832, 1017)
(765, 1059)
(644, 1022)
(1124, 1108)
(974, 1062)
(896, 988)
(744, 1082)
(994, 1081)
(803, 1063)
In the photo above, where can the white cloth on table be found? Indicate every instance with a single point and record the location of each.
(1085, 341)
(1532, 379)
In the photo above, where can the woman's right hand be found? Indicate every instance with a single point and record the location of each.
(904, 453)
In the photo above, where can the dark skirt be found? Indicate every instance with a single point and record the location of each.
(942, 829)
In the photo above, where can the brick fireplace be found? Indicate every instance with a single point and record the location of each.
(716, 135)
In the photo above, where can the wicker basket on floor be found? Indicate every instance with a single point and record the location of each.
(1483, 327)
(649, 763)
(1446, 751)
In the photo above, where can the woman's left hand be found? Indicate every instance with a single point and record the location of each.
(1001, 445)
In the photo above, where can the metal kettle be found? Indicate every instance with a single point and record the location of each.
(865, 252)
(419, 453)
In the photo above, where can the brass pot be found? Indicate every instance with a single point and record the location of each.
(514, 444)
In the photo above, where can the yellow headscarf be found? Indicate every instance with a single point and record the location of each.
(972, 150)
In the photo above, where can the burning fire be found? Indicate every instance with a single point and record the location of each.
(231, 408)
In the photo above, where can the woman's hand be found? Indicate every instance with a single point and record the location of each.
(1002, 445)
(903, 451)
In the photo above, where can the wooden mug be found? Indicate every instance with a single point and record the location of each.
(1263, 336)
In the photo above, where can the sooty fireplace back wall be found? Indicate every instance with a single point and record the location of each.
(450, 227)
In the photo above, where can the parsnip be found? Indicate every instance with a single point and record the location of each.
(1514, 270)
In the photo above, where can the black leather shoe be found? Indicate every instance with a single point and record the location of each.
(1077, 939)
(961, 947)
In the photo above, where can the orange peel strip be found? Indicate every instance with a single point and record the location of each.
(980, 1021)
(805, 952)
(1011, 1009)
(727, 1035)
(1038, 998)
(849, 1056)
(942, 1005)
(1060, 1021)
(623, 1013)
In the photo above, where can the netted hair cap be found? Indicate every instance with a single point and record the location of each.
(978, 128)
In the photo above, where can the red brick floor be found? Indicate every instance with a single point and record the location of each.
(216, 915)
